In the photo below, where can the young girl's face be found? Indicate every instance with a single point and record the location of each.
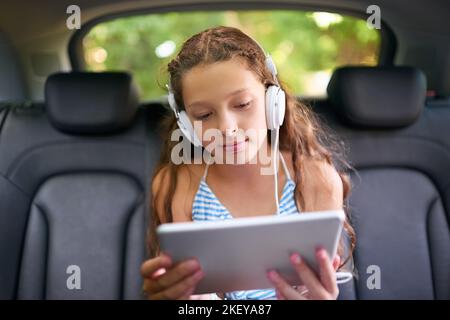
(228, 97)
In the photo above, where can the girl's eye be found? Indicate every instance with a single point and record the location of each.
(202, 117)
(243, 105)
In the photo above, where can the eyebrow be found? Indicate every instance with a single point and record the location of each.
(199, 103)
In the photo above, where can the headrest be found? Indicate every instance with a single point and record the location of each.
(378, 97)
(91, 103)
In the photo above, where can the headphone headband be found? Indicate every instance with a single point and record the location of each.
(268, 61)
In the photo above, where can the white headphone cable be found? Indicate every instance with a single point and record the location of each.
(275, 169)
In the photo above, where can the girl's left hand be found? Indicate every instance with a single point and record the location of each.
(321, 287)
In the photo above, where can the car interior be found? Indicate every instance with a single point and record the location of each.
(78, 149)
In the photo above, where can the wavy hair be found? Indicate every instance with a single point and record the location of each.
(301, 133)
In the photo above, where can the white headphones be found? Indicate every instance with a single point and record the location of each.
(275, 106)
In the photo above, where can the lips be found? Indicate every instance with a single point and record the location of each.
(235, 146)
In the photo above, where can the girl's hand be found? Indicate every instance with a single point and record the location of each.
(321, 287)
(163, 280)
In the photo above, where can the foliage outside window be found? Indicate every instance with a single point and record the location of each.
(306, 46)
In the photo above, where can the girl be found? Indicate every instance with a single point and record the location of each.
(219, 78)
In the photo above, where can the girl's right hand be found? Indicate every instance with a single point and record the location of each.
(163, 280)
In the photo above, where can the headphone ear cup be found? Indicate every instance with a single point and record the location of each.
(275, 107)
(185, 125)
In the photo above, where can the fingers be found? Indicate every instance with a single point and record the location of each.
(152, 265)
(303, 290)
(181, 290)
(187, 295)
(322, 286)
(327, 272)
(336, 262)
(174, 275)
(284, 290)
(162, 280)
(309, 279)
(279, 295)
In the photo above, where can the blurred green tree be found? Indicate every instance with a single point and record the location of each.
(306, 46)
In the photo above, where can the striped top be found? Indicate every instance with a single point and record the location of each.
(207, 207)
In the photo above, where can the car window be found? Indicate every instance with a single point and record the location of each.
(306, 46)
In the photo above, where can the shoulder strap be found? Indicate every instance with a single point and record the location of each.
(286, 171)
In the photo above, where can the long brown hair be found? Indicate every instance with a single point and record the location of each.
(301, 133)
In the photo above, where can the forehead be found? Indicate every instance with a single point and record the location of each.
(212, 81)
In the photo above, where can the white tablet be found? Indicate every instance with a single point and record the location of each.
(236, 253)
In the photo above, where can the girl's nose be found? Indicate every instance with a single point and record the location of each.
(228, 125)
